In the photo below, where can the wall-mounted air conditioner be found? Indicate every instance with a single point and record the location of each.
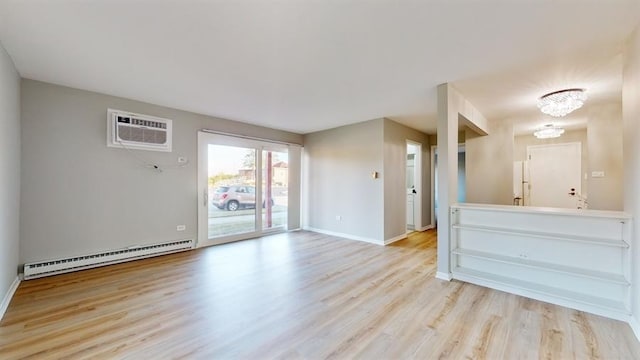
(139, 132)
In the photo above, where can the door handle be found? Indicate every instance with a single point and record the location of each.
(206, 196)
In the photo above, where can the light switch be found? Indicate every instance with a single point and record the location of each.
(597, 174)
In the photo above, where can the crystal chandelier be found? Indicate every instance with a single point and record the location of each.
(560, 103)
(548, 131)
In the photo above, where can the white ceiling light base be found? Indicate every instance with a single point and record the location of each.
(548, 131)
(561, 103)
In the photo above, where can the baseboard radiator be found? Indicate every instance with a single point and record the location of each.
(53, 267)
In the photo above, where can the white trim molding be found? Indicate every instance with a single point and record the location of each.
(8, 296)
(425, 228)
(346, 236)
(444, 276)
(635, 326)
(395, 238)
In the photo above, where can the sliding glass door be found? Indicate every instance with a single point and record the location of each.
(243, 188)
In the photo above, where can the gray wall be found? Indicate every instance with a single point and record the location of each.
(79, 196)
(604, 141)
(395, 193)
(489, 164)
(462, 177)
(9, 171)
(338, 166)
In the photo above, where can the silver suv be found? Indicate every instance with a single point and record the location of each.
(233, 197)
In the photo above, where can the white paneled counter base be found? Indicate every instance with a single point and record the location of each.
(575, 258)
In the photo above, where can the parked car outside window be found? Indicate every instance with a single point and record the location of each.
(234, 197)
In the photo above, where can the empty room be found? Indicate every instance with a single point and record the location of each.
(319, 179)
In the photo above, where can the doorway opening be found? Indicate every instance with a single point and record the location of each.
(414, 185)
(462, 180)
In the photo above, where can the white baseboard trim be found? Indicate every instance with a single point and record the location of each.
(346, 236)
(635, 326)
(394, 239)
(443, 276)
(8, 296)
(425, 228)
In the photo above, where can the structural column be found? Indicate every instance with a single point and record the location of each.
(447, 173)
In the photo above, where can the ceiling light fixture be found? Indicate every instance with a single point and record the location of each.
(560, 103)
(548, 131)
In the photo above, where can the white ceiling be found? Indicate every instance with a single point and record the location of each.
(310, 65)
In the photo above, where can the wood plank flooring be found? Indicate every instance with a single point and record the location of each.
(294, 296)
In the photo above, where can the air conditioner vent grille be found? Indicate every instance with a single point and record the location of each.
(142, 135)
(138, 132)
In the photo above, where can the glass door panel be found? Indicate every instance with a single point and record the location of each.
(231, 190)
(275, 186)
(236, 176)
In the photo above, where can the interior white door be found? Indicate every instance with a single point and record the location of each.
(414, 185)
(555, 174)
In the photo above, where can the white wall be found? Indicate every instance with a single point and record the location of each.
(338, 166)
(395, 149)
(80, 196)
(631, 149)
(9, 172)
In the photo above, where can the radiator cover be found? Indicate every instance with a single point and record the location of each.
(60, 266)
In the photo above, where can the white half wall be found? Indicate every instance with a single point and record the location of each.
(9, 175)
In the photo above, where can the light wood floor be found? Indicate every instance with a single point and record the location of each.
(293, 296)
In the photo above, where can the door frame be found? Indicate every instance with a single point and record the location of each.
(206, 138)
(434, 149)
(417, 181)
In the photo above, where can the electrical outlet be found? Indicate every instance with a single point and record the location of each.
(181, 228)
